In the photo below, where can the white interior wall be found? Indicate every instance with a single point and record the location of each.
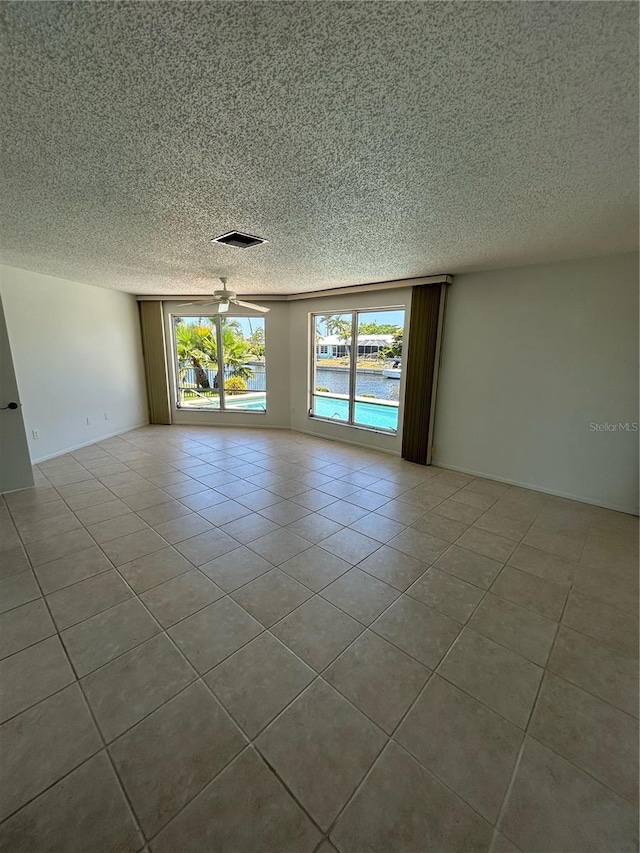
(300, 365)
(533, 356)
(277, 366)
(77, 355)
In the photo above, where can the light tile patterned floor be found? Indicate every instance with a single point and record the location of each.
(254, 641)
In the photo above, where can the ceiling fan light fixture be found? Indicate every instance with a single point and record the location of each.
(223, 306)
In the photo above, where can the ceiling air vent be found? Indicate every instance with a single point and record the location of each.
(239, 240)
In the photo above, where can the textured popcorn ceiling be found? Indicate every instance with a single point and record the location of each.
(366, 141)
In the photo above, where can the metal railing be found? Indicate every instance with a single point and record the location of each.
(256, 382)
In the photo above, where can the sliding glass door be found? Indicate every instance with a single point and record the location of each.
(357, 367)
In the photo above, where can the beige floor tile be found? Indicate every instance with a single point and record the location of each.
(401, 511)
(488, 544)
(145, 499)
(377, 678)
(161, 513)
(85, 810)
(321, 747)
(236, 568)
(378, 527)
(343, 512)
(609, 626)
(17, 590)
(555, 806)
(24, 626)
(401, 806)
(271, 596)
(249, 527)
(13, 561)
(279, 546)
(543, 565)
(284, 512)
(590, 733)
(101, 638)
(533, 593)
(168, 757)
(366, 499)
(46, 550)
(179, 529)
(223, 513)
(350, 545)
(317, 632)
(315, 568)
(43, 744)
(85, 500)
(360, 595)
(31, 675)
(474, 498)
(468, 566)
(446, 593)
(565, 547)
(114, 528)
(418, 630)
(393, 567)
(180, 597)
(155, 568)
(501, 844)
(266, 818)
(75, 603)
(610, 583)
(133, 546)
(313, 499)
(498, 677)
(510, 528)
(257, 682)
(102, 512)
(419, 545)
(42, 528)
(314, 527)
(474, 751)
(135, 684)
(596, 668)
(440, 526)
(258, 500)
(524, 632)
(214, 633)
(458, 511)
(73, 568)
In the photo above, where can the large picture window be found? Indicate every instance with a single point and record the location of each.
(357, 367)
(220, 363)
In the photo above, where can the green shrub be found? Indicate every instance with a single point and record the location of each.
(235, 385)
(322, 389)
(373, 396)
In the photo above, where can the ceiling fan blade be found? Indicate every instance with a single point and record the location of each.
(251, 305)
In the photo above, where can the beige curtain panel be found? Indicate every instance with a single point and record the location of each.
(155, 362)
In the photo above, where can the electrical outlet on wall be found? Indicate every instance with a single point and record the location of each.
(106, 416)
(88, 421)
(35, 433)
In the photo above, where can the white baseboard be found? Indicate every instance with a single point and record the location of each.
(87, 443)
(534, 488)
(345, 441)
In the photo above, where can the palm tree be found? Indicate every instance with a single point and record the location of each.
(235, 349)
(340, 327)
(196, 346)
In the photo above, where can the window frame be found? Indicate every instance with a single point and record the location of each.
(217, 325)
(353, 367)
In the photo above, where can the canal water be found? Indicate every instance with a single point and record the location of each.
(337, 381)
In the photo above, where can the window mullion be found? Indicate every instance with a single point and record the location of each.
(221, 394)
(353, 362)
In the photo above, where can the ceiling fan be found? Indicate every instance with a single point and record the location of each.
(223, 299)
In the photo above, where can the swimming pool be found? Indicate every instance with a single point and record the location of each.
(375, 415)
